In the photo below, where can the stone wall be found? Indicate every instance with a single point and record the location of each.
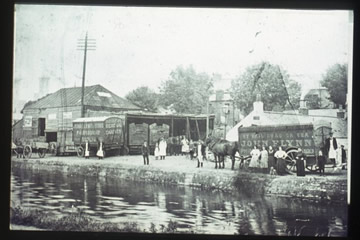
(310, 187)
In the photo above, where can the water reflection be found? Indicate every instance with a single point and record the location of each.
(202, 212)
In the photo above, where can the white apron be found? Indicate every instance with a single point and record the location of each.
(87, 152)
(199, 155)
(100, 152)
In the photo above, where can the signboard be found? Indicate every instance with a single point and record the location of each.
(27, 121)
(284, 136)
(52, 116)
(110, 131)
(67, 115)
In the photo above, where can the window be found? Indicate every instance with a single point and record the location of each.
(41, 127)
(256, 118)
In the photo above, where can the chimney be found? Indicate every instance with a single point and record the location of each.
(341, 112)
(303, 108)
(258, 104)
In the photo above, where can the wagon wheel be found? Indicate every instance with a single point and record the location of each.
(41, 152)
(290, 160)
(53, 149)
(80, 151)
(27, 151)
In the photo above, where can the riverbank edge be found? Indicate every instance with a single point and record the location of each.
(313, 188)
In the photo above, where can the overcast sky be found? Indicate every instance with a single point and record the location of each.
(140, 46)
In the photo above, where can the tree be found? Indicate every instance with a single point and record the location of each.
(278, 91)
(186, 91)
(335, 80)
(143, 97)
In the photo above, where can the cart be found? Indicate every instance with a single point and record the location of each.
(309, 137)
(32, 146)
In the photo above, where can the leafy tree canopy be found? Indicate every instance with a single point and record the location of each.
(143, 97)
(186, 91)
(335, 80)
(272, 82)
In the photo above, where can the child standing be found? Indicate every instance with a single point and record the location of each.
(321, 162)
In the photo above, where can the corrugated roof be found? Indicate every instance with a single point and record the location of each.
(93, 96)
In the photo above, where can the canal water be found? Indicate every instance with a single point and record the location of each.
(209, 212)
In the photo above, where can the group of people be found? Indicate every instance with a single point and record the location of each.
(100, 149)
(267, 160)
(189, 149)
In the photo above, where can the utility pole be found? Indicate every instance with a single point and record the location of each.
(85, 45)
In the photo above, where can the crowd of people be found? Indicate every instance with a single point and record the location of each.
(264, 160)
(188, 148)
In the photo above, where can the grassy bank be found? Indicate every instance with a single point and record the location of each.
(77, 221)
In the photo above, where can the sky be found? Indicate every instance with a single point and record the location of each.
(140, 46)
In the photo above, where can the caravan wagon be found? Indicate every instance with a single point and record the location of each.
(308, 137)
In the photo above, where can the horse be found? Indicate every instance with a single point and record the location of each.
(221, 148)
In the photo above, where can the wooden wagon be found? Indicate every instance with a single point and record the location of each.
(308, 137)
(108, 129)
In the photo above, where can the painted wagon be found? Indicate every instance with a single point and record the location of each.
(109, 130)
(309, 137)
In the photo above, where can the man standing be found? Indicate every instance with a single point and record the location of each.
(145, 152)
(330, 147)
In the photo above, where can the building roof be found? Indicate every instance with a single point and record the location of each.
(95, 95)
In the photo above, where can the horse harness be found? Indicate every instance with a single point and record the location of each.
(212, 145)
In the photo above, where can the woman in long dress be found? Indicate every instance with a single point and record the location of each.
(271, 159)
(100, 152)
(199, 155)
(87, 152)
(184, 146)
(280, 156)
(162, 149)
(264, 158)
(254, 162)
(300, 163)
(156, 150)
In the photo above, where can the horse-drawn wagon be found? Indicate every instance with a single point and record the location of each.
(108, 130)
(309, 137)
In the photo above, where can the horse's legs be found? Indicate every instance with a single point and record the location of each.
(223, 161)
(232, 162)
(216, 159)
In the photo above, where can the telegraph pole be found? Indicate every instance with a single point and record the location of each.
(85, 45)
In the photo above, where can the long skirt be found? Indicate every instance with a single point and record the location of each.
(271, 161)
(281, 166)
(300, 168)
